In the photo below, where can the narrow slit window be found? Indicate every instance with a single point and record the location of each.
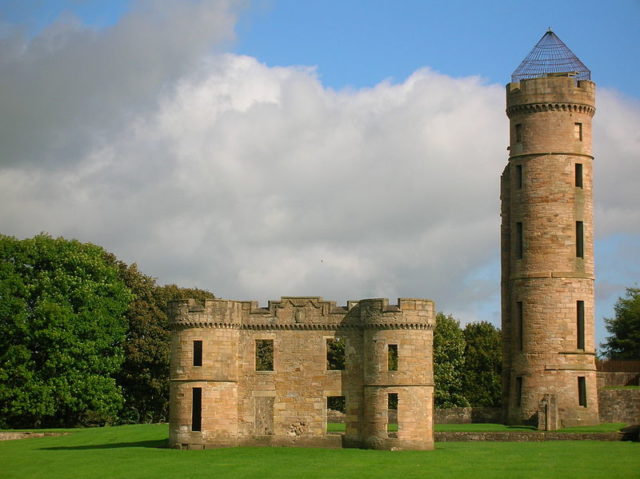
(579, 239)
(519, 391)
(392, 414)
(519, 133)
(392, 357)
(582, 391)
(196, 409)
(519, 240)
(520, 312)
(578, 175)
(519, 176)
(578, 131)
(580, 323)
(335, 354)
(197, 353)
(264, 354)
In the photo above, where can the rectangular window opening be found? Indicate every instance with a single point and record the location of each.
(197, 353)
(519, 177)
(335, 354)
(519, 133)
(519, 391)
(392, 357)
(519, 240)
(520, 326)
(264, 354)
(578, 131)
(336, 414)
(580, 324)
(578, 175)
(579, 239)
(392, 414)
(196, 409)
(582, 391)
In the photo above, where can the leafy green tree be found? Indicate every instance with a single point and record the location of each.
(62, 327)
(482, 364)
(144, 375)
(624, 342)
(448, 358)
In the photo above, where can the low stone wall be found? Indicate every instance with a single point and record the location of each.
(608, 378)
(533, 436)
(468, 415)
(11, 435)
(619, 405)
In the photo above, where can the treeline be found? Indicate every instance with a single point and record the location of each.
(467, 363)
(84, 337)
(84, 340)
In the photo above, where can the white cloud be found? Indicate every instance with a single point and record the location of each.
(256, 182)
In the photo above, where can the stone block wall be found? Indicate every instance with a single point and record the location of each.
(286, 405)
(619, 405)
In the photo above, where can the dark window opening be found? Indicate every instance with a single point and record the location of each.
(579, 239)
(392, 357)
(519, 133)
(580, 324)
(519, 391)
(264, 354)
(392, 414)
(519, 240)
(335, 413)
(578, 131)
(520, 326)
(519, 177)
(335, 354)
(197, 353)
(196, 410)
(582, 391)
(578, 175)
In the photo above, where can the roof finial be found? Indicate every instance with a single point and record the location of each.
(549, 30)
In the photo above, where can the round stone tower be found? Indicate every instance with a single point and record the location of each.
(398, 373)
(549, 374)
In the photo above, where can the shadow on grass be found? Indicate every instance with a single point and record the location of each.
(157, 444)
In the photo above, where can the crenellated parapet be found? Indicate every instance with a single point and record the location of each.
(309, 312)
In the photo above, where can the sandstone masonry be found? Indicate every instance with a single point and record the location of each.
(245, 375)
(549, 373)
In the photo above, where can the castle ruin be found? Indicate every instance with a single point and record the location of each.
(245, 375)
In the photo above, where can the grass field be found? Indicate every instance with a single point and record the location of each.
(138, 452)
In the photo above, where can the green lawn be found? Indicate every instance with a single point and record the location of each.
(137, 452)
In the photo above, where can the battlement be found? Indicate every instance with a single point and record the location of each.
(302, 312)
(560, 93)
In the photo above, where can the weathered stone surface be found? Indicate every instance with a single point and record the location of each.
(619, 405)
(468, 415)
(542, 274)
(287, 406)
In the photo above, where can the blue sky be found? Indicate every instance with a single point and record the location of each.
(321, 138)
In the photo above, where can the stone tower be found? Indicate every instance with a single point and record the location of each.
(549, 374)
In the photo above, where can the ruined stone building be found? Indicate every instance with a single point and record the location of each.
(549, 372)
(245, 375)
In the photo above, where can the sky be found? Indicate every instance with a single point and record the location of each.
(344, 149)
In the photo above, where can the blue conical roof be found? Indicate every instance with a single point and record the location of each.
(549, 56)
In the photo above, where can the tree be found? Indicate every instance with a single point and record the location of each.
(144, 375)
(62, 327)
(448, 358)
(624, 342)
(482, 381)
